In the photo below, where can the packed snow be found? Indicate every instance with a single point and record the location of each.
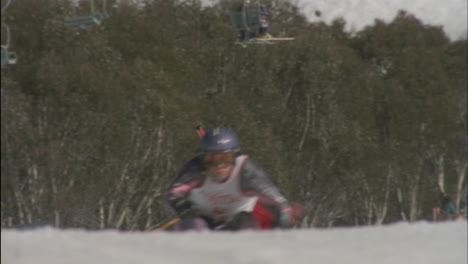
(399, 243)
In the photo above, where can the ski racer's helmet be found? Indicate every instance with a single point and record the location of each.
(218, 140)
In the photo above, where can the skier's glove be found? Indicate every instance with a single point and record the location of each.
(184, 207)
(287, 218)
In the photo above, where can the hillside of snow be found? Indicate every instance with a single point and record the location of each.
(401, 243)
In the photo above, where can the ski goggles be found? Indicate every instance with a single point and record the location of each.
(214, 159)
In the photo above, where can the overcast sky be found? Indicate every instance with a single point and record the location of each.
(451, 14)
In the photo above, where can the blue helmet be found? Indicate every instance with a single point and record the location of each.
(218, 139)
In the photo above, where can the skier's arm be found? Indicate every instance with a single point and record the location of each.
(255, 181)
(188, 178)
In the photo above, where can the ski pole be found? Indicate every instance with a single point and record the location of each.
(168, 224)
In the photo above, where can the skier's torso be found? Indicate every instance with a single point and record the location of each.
(222, 201)
(248, 184)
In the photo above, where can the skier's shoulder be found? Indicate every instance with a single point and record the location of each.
(252, 169)
(256, 181)
(191, 170)
(249, 163)
(194, 164)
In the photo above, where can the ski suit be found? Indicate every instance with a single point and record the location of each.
(247, 199)
(264, 23)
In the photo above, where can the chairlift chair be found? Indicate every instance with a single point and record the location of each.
(246, 19)
(8, 57)
(93, 18)
(252, 19)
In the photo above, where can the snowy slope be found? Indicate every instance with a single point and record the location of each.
(422, 242)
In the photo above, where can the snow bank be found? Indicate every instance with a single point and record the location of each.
(400, 243)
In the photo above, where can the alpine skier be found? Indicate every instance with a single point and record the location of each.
(221, 189)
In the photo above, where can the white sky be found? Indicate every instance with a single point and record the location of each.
(451, 14)
(401, 243)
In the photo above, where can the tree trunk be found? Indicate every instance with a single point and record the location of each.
(403, 215)
(440, 174)
(461, 177)
(382, 212)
